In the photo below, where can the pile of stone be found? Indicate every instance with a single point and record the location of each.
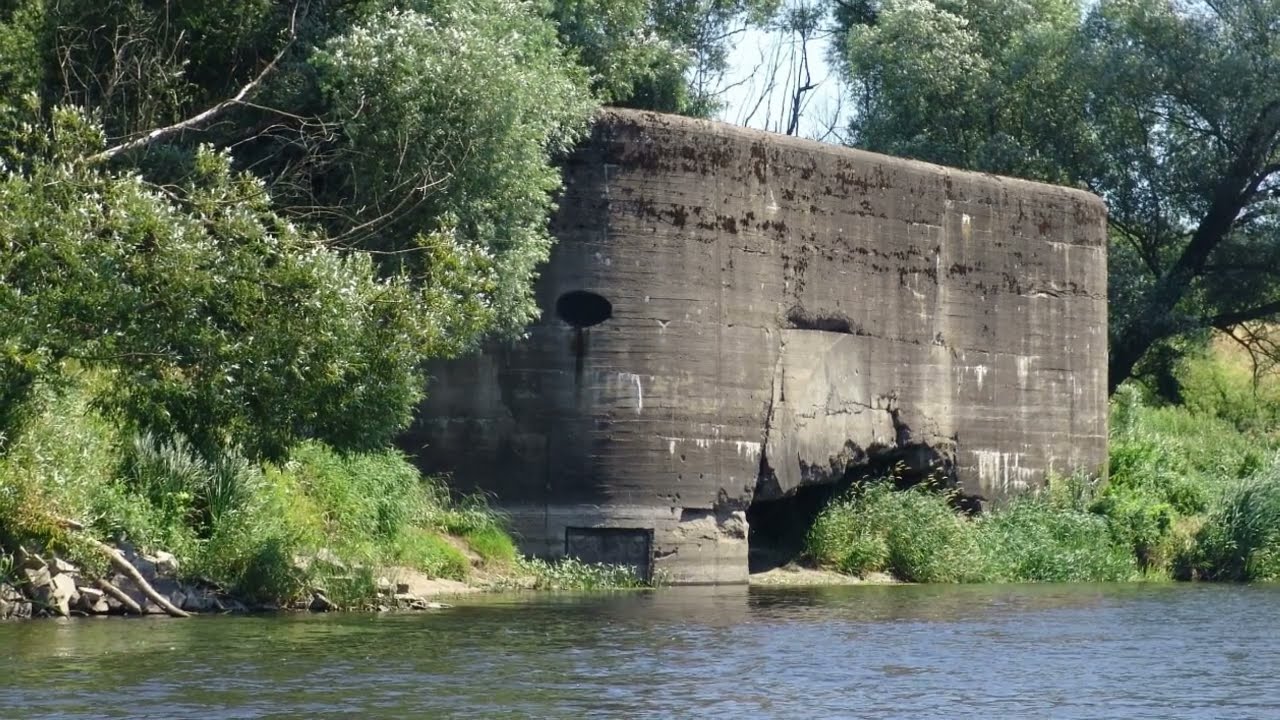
(50, 586)
(391, 596)
(138, 583)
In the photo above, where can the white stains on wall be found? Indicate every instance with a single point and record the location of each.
(624, 385)
(639, 393)
(1003, 471)
(748, 448)
(1024, 367)
(744, 448)
(979, 372)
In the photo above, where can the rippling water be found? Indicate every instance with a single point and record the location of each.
(1112, 651)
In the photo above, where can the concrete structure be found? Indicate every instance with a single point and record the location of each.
(730, 316)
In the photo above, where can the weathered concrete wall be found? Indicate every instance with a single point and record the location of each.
(781, 310)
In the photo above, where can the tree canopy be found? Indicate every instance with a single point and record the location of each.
(1167, 109)
(257, 219)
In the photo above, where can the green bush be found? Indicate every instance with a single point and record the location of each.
(1240, 538)
(917, 536)
(429, 552)
(913, 534)
(255, 530)
(1033, 540)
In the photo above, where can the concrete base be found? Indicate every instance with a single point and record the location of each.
(689, 546)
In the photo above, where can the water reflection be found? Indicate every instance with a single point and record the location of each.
(879, 652)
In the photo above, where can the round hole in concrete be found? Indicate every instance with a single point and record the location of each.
(581, 308)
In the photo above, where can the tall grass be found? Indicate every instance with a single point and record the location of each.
(1193, 492)
(265, 532)
(917, 536)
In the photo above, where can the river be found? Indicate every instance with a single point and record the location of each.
(1020, 651)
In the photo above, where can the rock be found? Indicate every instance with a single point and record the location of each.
(37, 577)
(13, 604)
(324, 556)
(329, 557)
(163, 562)
(60, 566)
(198, 600)
(144, 563)
(320, 603)
(178, 598)
(93, 601)
(384, 586)
(59, 594)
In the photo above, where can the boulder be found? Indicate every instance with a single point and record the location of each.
(93, 601)
(320, 603)
(13, 604)
(28, 559)
(59, 595)
(163, 562)
(61, 567)
(199, 600)
(37, 578)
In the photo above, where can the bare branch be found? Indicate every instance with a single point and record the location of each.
(200, 118)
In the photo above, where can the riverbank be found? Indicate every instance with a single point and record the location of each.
(1193, 493)
(87, 505)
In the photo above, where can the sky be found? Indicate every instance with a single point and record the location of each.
(749, 99)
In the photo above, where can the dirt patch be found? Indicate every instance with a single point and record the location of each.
(423, 586)
(796, 576)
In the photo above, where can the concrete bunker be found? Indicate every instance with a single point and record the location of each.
(768, 318)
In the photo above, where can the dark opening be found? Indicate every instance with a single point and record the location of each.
(777, 528)
(778, 524)
(799, 318)
(582, 309)
(629, 547)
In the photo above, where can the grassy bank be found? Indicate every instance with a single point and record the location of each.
(1193, 493)
(266, 532)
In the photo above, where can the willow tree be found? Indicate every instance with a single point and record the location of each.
(258, 218)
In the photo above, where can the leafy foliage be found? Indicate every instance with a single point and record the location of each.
(665, 55)
(268, 533)
(471, 101)
(217, 318)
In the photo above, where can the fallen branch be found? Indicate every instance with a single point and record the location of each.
(120, 596)
(131, 572)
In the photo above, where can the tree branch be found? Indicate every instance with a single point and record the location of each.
(1222, 321)
(200, 118)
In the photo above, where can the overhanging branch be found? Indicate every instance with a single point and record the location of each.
(1226, 320)
(203, 117)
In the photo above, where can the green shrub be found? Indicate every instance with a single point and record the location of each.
(913, 534)
(1033, 540)
(1240, 537)
(252, 529)
(1219, 382)
(493, 544)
